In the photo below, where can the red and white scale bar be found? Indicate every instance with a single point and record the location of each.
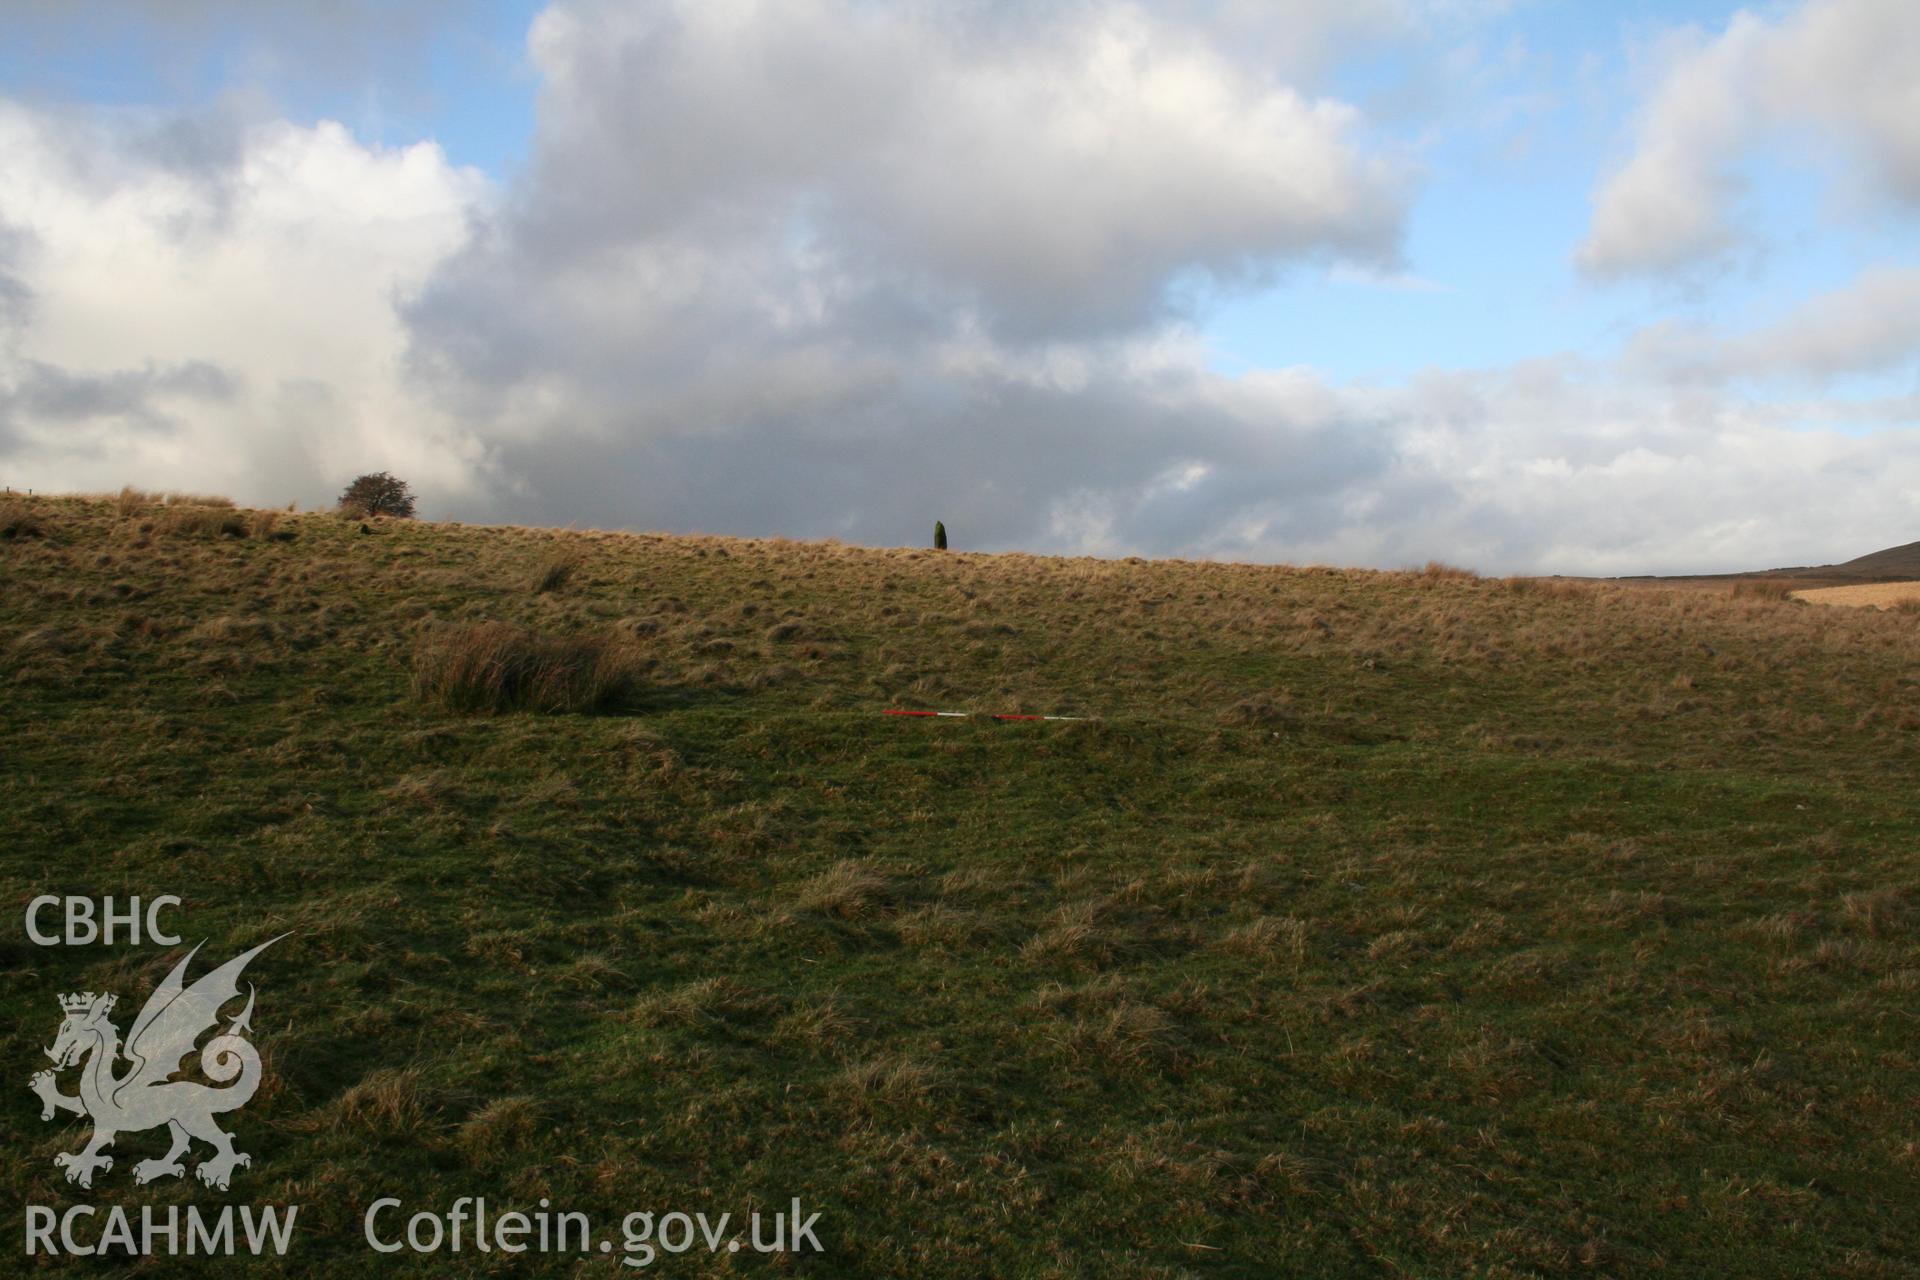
(974, 715)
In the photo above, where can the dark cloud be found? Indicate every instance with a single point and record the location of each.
(1007, 464)
(51, 394)
(817, 268)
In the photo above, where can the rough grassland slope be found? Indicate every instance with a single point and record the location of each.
(1381, 924)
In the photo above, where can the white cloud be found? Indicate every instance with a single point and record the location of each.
(1052, 168)
(1566, 466)
(1841, 71)
(269, 264)
(1871, 325)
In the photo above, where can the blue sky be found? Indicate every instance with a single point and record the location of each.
(1508, 180)
(458, 76)
(1562, 248)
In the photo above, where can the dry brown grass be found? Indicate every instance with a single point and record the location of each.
(199, 500)
(704, 1002)
(1550, 588)
(1764, 589)
(1879, 595)
(557, 569)
(21, 520)
(500, 1127)
(199, 521)
(849, 890)
(1270, 938)
(131, 501)
(497, 666)
(388, 1101)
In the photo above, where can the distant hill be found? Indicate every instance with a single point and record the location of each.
(1895, 564)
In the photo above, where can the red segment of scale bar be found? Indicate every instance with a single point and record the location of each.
(969, 715)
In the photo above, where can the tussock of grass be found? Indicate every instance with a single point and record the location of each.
(200, 521)
(20, 520)
(709, 1001)
(501, 1128)
(388, 1104)
(1270, 938)
(1876, 911)
(878, 1085)
(556, 570)
(498, 666)
(1764, 589)
(849, 890)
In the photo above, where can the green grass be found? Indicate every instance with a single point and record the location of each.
(1379, 924)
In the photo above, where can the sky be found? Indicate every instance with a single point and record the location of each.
(1524, 287)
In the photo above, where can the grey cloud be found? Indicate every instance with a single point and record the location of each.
(1871, 325)
(799, 268)
(1005, 464)
(52, 394)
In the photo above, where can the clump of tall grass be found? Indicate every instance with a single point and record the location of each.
(497, 666)
(198, 500)
(131, 501)
(850, 890)
(556, 570)
(200, 521)
(1764, 589)
(18, 520)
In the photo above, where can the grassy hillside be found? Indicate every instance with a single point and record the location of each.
(1378, 924)
(1894, 562)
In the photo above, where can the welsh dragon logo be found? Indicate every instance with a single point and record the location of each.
(145, 1095)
